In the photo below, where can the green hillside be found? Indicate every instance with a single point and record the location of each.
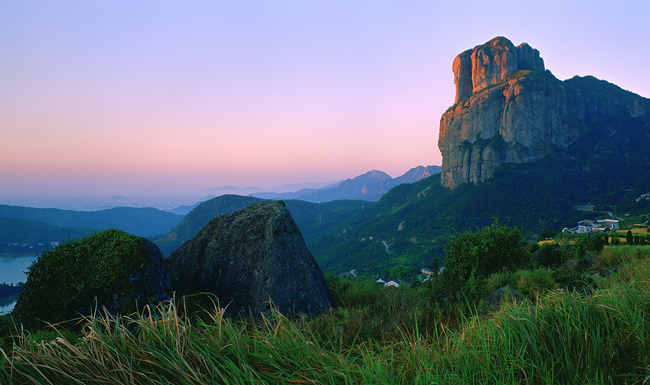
(198, 218)
(17, 235)
(139, 221)
(313, 219)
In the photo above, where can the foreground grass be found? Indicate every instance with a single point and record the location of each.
(559, 338)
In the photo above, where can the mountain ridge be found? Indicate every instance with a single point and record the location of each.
(369, 186)
(139, 221)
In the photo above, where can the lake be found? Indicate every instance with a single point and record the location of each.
(12, 271)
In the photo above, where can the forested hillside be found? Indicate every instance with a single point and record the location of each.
(534, 197)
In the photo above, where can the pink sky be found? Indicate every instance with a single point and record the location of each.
(168, 98)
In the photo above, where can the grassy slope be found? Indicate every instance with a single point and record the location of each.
(378, 336)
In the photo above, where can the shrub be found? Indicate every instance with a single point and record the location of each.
(111, 268)
(528, 282)
(471, 257)
(620, 255)
(550, 254)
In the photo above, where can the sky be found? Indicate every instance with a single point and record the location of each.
(170, 98)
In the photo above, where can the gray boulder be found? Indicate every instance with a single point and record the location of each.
(501, 294)
(248, 259)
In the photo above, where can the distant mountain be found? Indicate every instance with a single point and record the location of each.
(139, 221)
(301, 186)
(313, 219)
(369, 186)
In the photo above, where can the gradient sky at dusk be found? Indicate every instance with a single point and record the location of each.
(168, 98)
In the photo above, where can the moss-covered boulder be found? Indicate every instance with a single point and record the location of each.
(111, 269)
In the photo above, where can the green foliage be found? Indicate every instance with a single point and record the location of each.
(404, 273)
(75, 273)
(613, 256)
(531, 283)
(550, 254)
(471, 257)
(629, 240)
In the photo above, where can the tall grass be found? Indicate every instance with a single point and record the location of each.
(396, 337)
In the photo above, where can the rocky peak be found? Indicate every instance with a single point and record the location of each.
(509, 109)
(491, 63)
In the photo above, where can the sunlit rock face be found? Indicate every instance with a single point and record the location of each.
(507, 109)
(491, 63)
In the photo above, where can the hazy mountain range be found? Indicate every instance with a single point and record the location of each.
(369, 186)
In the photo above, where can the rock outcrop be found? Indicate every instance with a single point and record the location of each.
(508, 108)
(502, 294)
(249, 258)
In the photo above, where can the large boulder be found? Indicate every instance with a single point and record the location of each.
(111, 270)
(248, 259)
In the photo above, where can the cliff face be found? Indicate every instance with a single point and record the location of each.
(510, 109)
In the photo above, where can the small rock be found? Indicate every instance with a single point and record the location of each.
(500, 295)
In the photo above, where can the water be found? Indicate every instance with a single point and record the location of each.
(12, 271)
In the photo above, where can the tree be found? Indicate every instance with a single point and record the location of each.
(471, 257)
(435, 266)
(628, 238)
(404, 273)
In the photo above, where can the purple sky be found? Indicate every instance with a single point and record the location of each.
(168, 98)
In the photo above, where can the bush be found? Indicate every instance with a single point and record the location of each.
(111, 268)
(528, 282)
(471, 257)
(550, 254)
